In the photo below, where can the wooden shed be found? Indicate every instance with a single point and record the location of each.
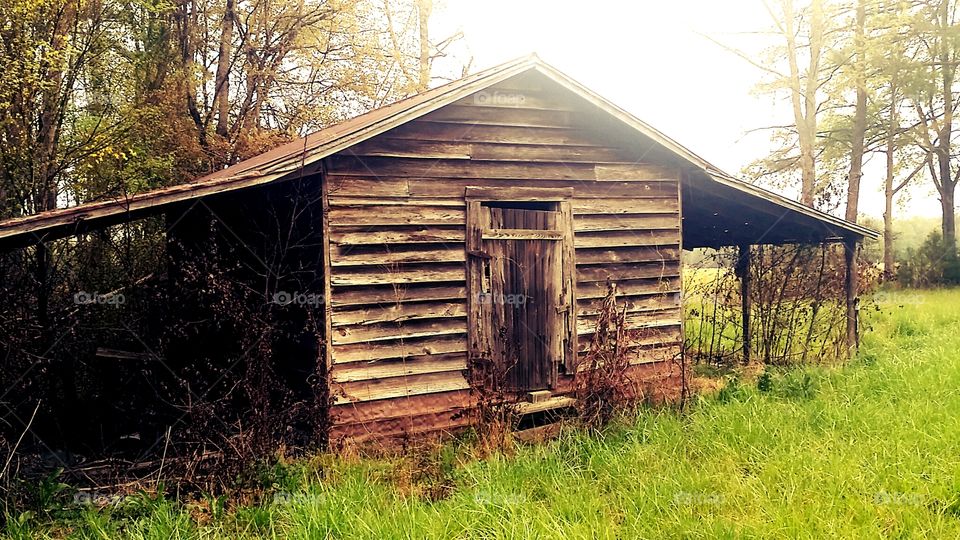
(485, 218)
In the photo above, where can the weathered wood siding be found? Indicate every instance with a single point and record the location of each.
(397, 226)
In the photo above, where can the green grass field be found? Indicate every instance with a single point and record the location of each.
(871, 449)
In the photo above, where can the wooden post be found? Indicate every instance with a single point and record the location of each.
(743, 272)
(850, 289)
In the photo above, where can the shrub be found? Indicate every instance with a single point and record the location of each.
(930, 265)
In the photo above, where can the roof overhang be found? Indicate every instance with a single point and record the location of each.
(722, 211)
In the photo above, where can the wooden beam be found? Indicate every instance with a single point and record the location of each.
(538, 194)
(478, 313)
(850, 290)
(326, 345)
(569, 288)
(743, 272)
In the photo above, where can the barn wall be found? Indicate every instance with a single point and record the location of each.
(397, 225)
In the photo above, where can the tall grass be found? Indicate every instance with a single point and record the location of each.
(865, 450)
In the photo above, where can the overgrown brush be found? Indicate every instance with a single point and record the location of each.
(182, 360)
(797, 298)
(495, 411)
(602, 381)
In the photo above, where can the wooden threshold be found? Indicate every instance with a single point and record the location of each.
(561, 402)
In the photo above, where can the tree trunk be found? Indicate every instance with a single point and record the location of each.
(947, 182)
(51, 111)
(221, 97)
(424, 8)
(186, 15)
(803, 93)
(810, 96)
(888, 193)
(45, 157)
(948, 222)
(859, 119)
(947, 186)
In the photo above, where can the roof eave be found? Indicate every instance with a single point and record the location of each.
(693, 159)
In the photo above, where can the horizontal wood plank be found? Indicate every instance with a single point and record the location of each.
(392, 167)
(365, 186)
(401, 167)
(666, 325)
(626, 238)
(627, 271)
(418, 328)
(587, 324)
(598, 289)
(512, 98)
(384, 275)
(392, 293)
(377, 411)
(632, 304)
(394, 201)
(380, 254)
(534, 153)
(454, 188)
(365, 371)
(399, 312)
(517, 193)
(653, 336)
(398, 387)
(411, 148)
(366, 352)
(635, 172)
(376, 215)
(401, 430)
(636, 356)
(503, 116)
(625, 206)
(445, 131)
(356, 236)
(627, 254)
(620, 222)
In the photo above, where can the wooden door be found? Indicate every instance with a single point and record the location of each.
(521, 296)
(524, 292)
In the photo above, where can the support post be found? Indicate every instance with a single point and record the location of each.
(850, 290)
(743, 272)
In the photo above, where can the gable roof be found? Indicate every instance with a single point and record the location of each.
(304, 153)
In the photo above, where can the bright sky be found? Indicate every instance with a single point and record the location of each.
(650, 57)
